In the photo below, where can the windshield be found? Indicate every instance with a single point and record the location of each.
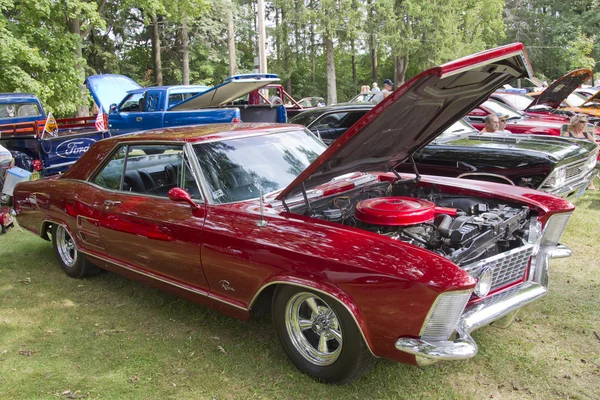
(236, 169)
(498, 107)
(517, 101)
(458, 128)
(575, 100)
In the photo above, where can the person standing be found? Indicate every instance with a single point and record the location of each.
(388, 88)
(492, 124)
(502, 118)
(375, 88)
(577, 129)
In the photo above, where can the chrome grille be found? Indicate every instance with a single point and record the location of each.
(576, 171)
(507, 267)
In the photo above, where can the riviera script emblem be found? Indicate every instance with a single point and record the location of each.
(225, 285)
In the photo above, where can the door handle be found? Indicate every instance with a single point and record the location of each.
(138, 119)
(109, 203)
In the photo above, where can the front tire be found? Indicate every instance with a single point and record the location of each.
(71, 260)
(320, 336)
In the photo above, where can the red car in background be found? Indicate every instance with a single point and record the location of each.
(517, 121)
(355, 260)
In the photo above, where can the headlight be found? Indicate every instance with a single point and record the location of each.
(591, 164)
(484, 282)
(557, 178)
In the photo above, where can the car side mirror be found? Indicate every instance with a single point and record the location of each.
(179, 194)
(112, 108)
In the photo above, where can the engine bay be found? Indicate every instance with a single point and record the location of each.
(464, 229)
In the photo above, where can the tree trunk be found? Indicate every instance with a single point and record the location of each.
(373, 50)
(353, 63)
(158, 77)
(231, 43)
(185, 50)
(400, 66)
(286, 51)
(331, 83)
(313, 56)
(82, 108)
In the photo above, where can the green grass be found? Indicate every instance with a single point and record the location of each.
(111, 338)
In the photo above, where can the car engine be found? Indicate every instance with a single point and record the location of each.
(462, 229)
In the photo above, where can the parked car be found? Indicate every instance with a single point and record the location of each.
(22, 121)
(557, 165)
(519, 122)
(563, 96)
(133, 108)
(355, 260)
(521, 102)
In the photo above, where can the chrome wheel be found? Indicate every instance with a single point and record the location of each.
(313, 328)
(66, 247)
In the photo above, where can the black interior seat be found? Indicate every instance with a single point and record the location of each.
(241, 184)
(138, 181)
(172, 172)
(133, 182)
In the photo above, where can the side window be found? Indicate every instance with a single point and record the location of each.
(132, 103)
(351, 118)
(110, 176)
(329, 121)
(152, 103)
(156, 169)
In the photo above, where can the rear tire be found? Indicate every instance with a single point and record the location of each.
(320, 336)
(71, 260)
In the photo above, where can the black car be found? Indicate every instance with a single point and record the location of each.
(557, 165)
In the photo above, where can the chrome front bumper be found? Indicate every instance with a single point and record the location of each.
(484, 313)
(574, 189)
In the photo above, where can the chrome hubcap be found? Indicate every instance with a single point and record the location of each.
(313, 328)
(66, 247)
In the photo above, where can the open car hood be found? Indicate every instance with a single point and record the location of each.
(414, 114)
(109, 89)
(561, 88)
(233, 88)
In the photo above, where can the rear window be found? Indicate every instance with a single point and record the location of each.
(18, 110)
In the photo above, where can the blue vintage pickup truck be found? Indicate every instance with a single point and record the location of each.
(22, 120)
(133, 108)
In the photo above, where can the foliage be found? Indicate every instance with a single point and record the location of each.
(42, 41)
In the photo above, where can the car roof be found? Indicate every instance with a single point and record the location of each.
(200, 133)
(17, 97)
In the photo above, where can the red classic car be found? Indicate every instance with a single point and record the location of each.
(355, 260)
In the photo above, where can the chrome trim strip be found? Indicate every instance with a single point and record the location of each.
(484, 313)
(487, 174)
(161, 279)
(60, 165)
(318, 291)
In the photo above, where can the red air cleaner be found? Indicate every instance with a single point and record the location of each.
(395, 211)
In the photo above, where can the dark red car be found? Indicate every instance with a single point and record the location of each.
(354, 260)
